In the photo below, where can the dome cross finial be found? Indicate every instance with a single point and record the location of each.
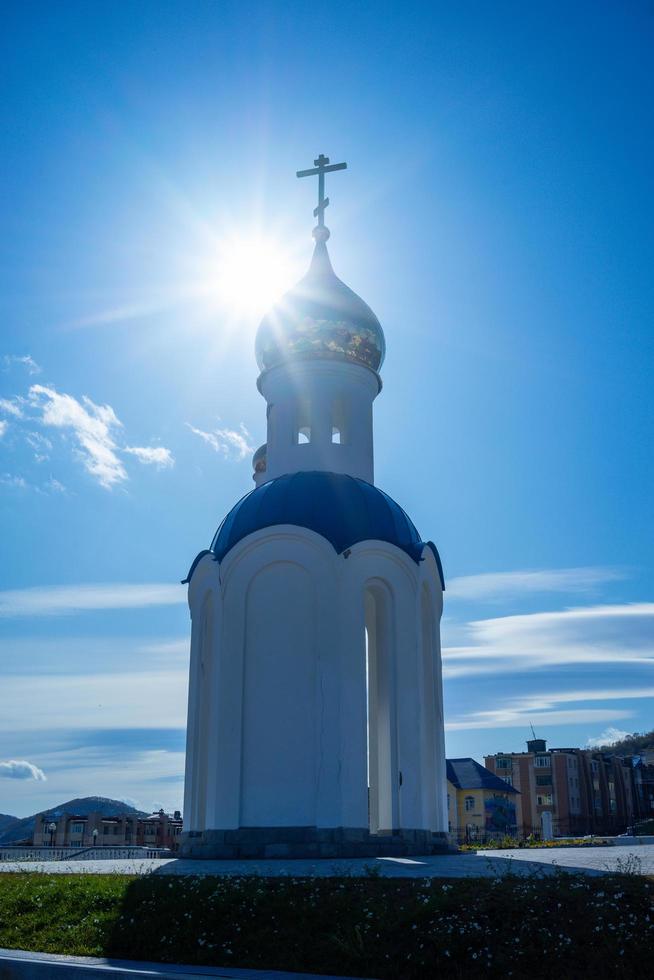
(321, 167)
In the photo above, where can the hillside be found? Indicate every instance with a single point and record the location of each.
(22, 829)
(6, 821)
(631, 745)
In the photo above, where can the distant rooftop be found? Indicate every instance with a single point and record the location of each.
(468, 774)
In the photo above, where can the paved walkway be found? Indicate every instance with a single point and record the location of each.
(16, 964)
(590, 860)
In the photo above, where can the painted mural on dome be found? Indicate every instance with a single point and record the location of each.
(322, 337)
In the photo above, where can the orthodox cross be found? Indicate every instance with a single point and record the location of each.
(321, 167)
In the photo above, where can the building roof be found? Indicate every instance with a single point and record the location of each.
(468, 774)
(342, 509)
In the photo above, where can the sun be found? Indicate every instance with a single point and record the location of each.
(251, 273)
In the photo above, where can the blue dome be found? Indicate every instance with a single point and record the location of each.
(340, 508)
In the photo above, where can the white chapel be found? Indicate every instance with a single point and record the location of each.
(315, 716)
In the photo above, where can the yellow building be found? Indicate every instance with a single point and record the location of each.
(479, 803)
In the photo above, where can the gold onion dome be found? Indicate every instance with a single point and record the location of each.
(320, 317)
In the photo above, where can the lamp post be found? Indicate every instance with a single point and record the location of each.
(52, 827)
(95, 836)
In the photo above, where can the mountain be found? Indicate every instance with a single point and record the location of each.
(5, 822)
(22, 829)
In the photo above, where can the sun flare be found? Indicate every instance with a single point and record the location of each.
(251, 273)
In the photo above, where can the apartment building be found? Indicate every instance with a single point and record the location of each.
(567, 791)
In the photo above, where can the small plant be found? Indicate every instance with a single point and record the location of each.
(629, 865)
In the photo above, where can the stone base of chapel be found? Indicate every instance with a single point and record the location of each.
(311, 842)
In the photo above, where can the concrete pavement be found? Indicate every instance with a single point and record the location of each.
(589, 860)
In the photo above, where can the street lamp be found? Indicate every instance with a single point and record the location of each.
(52, 827)
(95, 836)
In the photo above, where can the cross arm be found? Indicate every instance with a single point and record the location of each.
(321, 170)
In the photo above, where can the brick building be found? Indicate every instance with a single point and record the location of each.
(567, 791)
(93, 829)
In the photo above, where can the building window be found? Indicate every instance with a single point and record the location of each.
(469, 803)
(508, 779)
(303, 435)
(336, 435)
(77, 828)
(542, 762)
(504, 764)
(544, 780)
(544, 799)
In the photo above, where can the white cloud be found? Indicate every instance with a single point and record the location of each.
(156, 455)
(97, 432)
(93, 426)
(510, 585)
(609, 736)
(19, 769)
(67, 599)
(3, 427)
(592, 634)
(27, 362)
(11, 407)
(227, 442)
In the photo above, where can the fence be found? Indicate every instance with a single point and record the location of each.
(18, 853)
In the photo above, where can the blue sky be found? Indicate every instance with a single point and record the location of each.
(496, 214)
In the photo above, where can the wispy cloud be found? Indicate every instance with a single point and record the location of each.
(144, 699)
(54, 486)
(14, 481)
(505, 718)
(511, 585)
(591, 634)
(3, 427)
(40, 444)
(153, 455)
(69, 599)
(20, 769)
(609, 736)
(228, 442)
(28, 362)
(523, 710)
(11, 406)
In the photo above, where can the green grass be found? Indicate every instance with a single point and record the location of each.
(564, 926)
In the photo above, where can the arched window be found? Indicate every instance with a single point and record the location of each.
(303, 424)
(469, 803)
(338, 422)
